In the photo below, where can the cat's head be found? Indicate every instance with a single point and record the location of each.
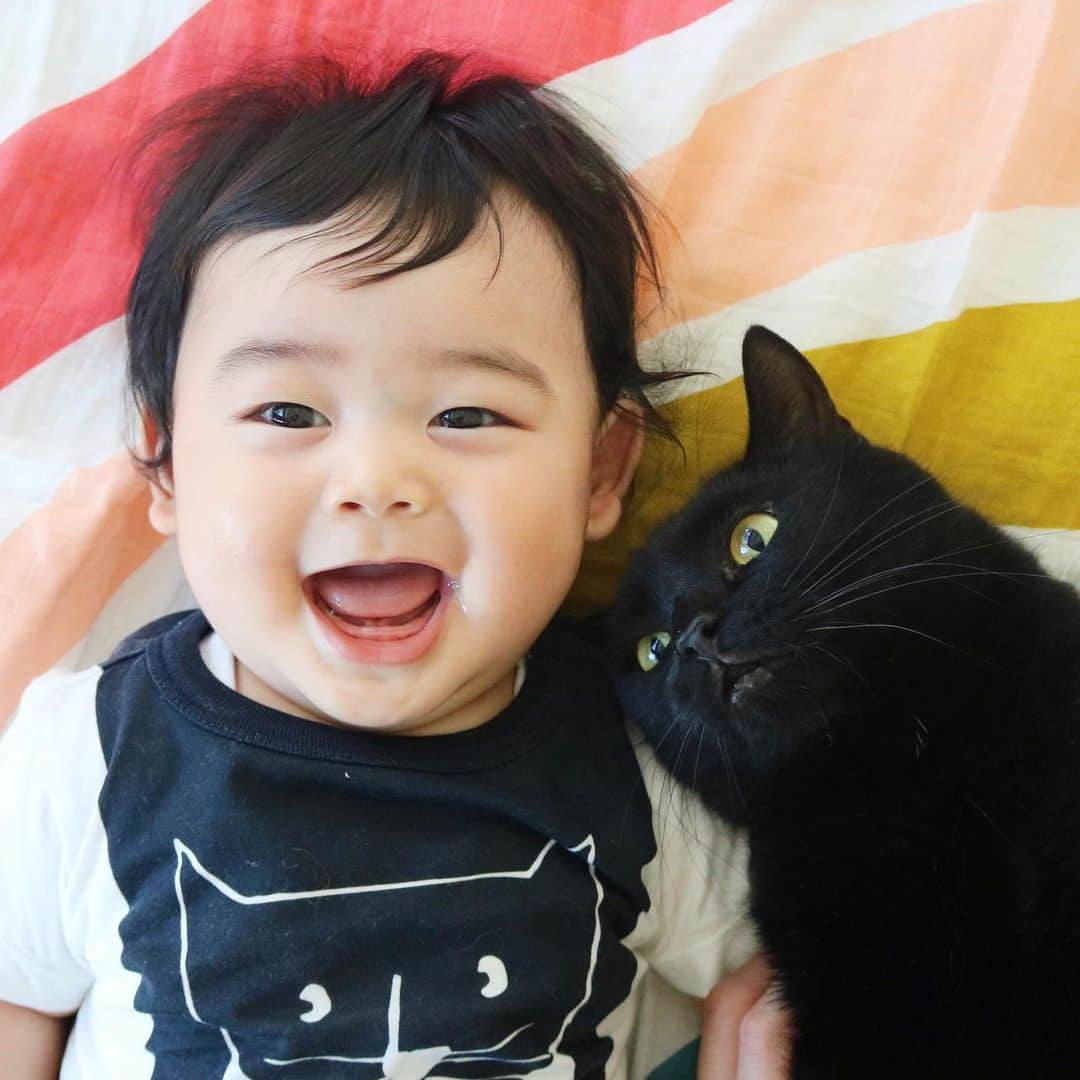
(821, 592)
(323, 982)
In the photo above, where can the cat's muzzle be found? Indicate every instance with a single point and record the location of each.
(743, 669)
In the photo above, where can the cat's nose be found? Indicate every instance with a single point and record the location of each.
(699, 638)
(701, 641)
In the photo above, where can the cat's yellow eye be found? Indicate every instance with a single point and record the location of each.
(651, 648)
(751, 536)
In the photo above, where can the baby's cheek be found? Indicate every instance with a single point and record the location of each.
(234, 550)
(542, 555)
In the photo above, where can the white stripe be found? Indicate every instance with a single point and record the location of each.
(63, 414)
(1030, 255)
(54, 52)
(650, 98)
(1057, 549)
(68, 409)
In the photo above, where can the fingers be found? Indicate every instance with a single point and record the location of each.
(764, 1040)
(746, 1033)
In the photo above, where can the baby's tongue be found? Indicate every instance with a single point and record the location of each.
(377, 592)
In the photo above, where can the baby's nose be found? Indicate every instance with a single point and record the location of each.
(378, 487)
(376, 507)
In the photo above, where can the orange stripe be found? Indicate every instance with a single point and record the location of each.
(60, 567)
(895, 139)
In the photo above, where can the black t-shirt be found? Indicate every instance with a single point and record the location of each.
(307, 901)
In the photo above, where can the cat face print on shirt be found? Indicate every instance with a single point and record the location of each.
(474, 976)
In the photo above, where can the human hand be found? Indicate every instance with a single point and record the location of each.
(747, 1035)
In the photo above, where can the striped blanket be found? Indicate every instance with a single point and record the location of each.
(893, 186)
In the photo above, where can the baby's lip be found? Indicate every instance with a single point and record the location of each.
(377, 562)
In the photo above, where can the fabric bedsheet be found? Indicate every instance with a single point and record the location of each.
(895, 187)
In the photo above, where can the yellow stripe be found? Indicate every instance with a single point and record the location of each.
(987, 401)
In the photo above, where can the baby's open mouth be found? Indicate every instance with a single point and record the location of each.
(385, 600)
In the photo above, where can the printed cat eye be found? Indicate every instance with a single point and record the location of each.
(651, 648)
(318, 1001)
(751, 536)
(495, 971)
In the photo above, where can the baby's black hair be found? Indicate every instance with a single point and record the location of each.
(417, 152)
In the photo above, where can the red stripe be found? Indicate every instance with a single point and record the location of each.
(68, 255)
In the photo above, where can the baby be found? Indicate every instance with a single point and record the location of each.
(370, 810)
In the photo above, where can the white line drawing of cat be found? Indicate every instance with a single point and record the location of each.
(519, 1049)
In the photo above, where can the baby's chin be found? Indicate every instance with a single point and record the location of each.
(418, 705)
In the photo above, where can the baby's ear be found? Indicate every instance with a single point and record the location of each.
(162, 512)
(616, 453)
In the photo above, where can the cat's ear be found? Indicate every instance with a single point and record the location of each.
(789, 404)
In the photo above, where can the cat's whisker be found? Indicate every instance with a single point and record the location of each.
(677, 789)
(993, 824)
(687, 732)
(854, 587)
(975, 571)
(821, 523)
(865, 521)
(663, 738)
(840, 660)
(817, 610)
(1007, 540)
(697, 756)
(730, 769)
(879, 539)
(827, 724)
(667, 731)
(939, 560)
(870, 517)
(921, 734)
(934, 560)
(687, 719)
(877, 592)
(925, 516)
(668, 784)
(906, 629)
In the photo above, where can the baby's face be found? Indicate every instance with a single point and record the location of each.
(377, 442)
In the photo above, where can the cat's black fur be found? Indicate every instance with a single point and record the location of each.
(903, 745)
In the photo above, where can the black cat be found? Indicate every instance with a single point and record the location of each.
(885, 690)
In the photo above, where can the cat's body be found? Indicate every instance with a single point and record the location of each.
(885, 690)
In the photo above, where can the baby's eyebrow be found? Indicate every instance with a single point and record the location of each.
(258, 352)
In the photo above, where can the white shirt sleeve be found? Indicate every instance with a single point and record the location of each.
(698, 928)
(51, 768)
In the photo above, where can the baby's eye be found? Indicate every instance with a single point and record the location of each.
(465, 417)
(287, 414)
